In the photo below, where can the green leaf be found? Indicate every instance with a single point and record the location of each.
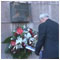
(23, 54)
(7, 40)
(7, 50)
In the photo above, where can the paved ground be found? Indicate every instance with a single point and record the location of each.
(8, 56)
(33, 56)
(3, 55)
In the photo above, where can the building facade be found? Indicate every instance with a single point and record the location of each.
(50, 7)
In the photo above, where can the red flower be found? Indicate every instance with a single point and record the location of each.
(13, 43)
(23, 44)
(19, 30)
(31, 32)
(15, 34)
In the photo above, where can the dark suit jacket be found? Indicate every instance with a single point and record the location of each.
(48, 37)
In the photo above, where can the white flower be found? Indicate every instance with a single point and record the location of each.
(11, 38)
(24, 26)
(19, 46)
(30, 42)
(19, 40)
(31, 39)
(25, 40)
(28, 29)
(25, 31)
(25, 35)
(28, 35)
(35, 36)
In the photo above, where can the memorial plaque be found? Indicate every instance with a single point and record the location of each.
(19, 12)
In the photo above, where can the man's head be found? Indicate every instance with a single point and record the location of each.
(43, 17)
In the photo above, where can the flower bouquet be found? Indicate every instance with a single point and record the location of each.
(22, 43)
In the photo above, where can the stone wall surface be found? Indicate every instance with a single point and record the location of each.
(52, 8)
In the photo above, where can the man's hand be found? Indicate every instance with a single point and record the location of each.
(37, 53)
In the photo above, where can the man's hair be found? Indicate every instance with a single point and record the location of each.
(43, 16)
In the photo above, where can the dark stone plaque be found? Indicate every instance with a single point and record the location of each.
(19, 12)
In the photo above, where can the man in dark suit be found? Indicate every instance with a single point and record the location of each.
(48, 37)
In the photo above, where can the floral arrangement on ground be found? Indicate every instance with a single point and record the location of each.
(22, 42)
